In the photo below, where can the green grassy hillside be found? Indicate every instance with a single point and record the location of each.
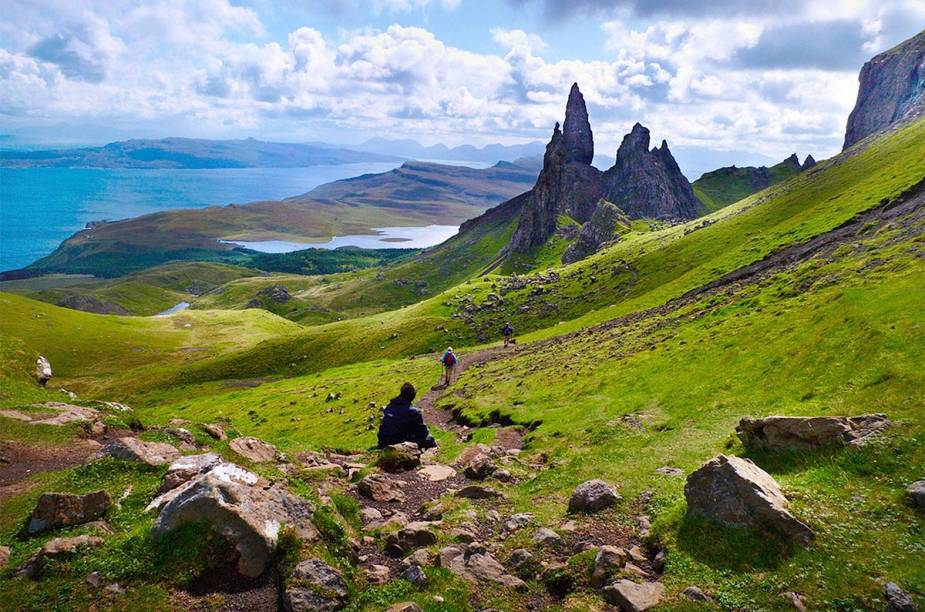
(725, 186)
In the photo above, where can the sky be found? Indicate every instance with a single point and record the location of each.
(736, 79)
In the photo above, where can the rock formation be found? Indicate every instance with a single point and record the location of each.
(805, 433)
(736, 492)
(592, 496)
(892, 89)
(649, 184)
(55, 510)
(808, 163)
(643, 183)
(133, 449)
(605, 225)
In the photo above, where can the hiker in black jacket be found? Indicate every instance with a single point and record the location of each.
(402, 422)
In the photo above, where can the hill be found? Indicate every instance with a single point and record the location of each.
(416, 194)
(725, 186)
(191, 153)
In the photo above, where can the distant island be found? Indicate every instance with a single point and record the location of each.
(197, 153)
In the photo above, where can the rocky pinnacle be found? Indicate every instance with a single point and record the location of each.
(576, 131)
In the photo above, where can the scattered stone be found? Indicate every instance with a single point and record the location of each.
(380, 488)
(415, 575)
(503, 475)
(805, 433)
(916, 493)
(245, 509)
(378, 574)
(795, 600)
(493, 515)
(400, 457)
(517, 521)
(55, 510)
(404, 606)
(609, 560)
(695, 594)
(520, 558)
(436, 472)
(411, 536)
(115, 588)
(215, 431)
(546, 537)
(670, 471)
(4, 555)
(592, 496)
(479, 467)
(315, 586)
(736, 492)
(133, 449)
(432, 512)
(635, 553)
(464, 534)
(253, 449)
(633, 597)
(370, 515)
(897, 600)
(475, 564)
(93, 579)
(478, 492)
(187, 467)
(58, 547)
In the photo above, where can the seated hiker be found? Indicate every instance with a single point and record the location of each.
(507, 331)
(449, 364)
(402, 422)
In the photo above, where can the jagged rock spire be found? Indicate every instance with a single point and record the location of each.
(576, 131)
(637, 141)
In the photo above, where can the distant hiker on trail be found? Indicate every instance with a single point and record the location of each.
(402, 422)
(508, 332)
(449, 364)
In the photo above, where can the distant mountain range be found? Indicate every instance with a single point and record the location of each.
(252, 153)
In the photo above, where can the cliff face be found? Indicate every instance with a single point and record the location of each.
(649, 184)
(892, 89)
(643, 183)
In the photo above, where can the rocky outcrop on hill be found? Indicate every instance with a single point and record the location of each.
(605, 225)
(736, 492)
(643, 183)
(804, 433)
(892, 89)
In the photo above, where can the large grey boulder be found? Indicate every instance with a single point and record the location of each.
(916, 493)
(55, 510)
(736, 492)
(242, 507)
(315, 586)
(133, 449)
(806, 433)
(592, 496)
(188, 467)
(43, 370)
(634, 597)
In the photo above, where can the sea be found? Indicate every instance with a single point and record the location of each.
(40, 207)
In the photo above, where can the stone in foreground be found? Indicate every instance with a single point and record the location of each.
(253, 449)
(185, 468)
(916, 493)
(400, 457)
(133, 449)
(633, 597)
(474, 565)
(412, 536)
(53, 549)
(807, 433)
(381, 489)
(314, 585)
(243, 508)
(592, 496)
(736, 492)
(55, 510)
(897, 600)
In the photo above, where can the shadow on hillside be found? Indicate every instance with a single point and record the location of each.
(733, 549)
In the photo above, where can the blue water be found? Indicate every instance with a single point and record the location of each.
(386, 238)
(40, 207)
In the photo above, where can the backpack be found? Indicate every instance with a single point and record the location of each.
(449, 359)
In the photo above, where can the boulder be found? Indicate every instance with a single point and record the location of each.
(411, 536)
(380, 488)
(315, 586)
(475, 564)
(243, 508)
(415, 575)
(188, 467)
(378, 574)
(370, 515)
(520, 558)
(807, 433)
(592, 496)
(517, 521)
(253, 449)
(400, 457)
(695, 594)
(215, 431)
(633, 597)
(133, 449)
(546, 537)
(897, 600)
(916, 494)
(4, 556)
(736, 492)
(436, 472)
(609, 560)
(53, 549)
(55, 510)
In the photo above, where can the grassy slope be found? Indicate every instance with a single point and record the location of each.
(725, 186)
